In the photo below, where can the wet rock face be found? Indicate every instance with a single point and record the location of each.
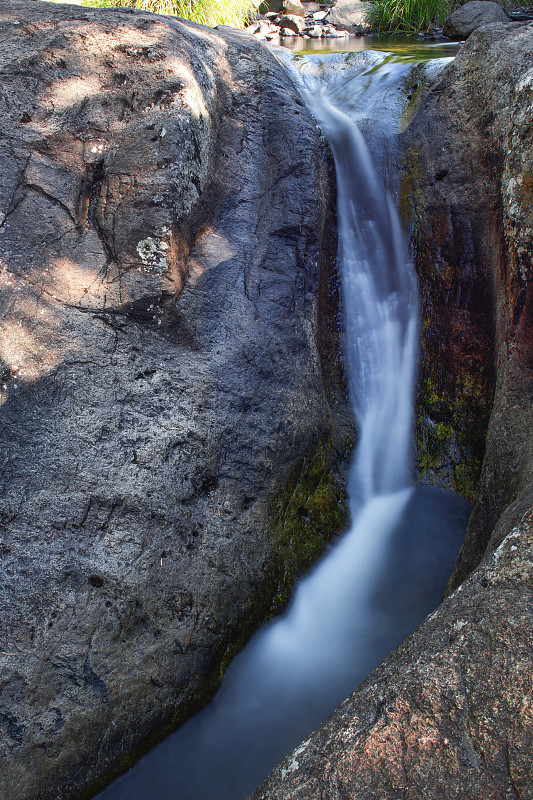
(448, 715)
(161, 381)
(474, 158)
(457, 155)
(449, 200)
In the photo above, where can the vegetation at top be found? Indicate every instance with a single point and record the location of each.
(409, 16)
(386, 16)
(415, 16)
(207, 12)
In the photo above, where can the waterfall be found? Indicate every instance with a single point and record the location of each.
(384, 575)
(380, 309)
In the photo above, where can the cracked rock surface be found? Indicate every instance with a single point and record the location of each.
(449, 714)
(160, 373)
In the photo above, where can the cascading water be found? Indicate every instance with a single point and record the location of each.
(381, 310)
(383, 576)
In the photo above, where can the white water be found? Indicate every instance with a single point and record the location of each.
(381, 310)
(383, 576)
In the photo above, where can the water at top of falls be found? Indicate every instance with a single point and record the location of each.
(380, 308)
(412, 47)
(380, 580)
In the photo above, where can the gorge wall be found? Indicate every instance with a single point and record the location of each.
(167, 443)
(449, 714)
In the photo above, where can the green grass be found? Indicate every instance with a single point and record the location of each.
(207, 12)
(409, 16)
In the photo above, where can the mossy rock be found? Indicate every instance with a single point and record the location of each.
(456, 381)
(307, 515)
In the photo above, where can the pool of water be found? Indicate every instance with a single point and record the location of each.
(406, 46)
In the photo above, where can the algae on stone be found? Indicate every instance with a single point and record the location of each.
(307, 515)
(455, 377)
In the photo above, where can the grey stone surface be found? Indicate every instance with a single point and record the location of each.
(448, 716)
(293, 22)
(465, 19)
(283, 7)
(350, 14)
(161, 380)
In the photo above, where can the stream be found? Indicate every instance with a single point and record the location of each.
(383, 577)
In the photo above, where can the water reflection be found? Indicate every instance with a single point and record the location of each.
(406, 46)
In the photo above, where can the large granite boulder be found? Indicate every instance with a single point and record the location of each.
(448, 716)
(350, 14)
(164, 427)
(465, 19)
(282, 7)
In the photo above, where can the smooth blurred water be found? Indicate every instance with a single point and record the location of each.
(388, 572)
(380, 307)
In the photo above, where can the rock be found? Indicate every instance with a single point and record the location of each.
(465, 19)
(314, 31)
(273, 34)
(293, 22)
(287, 33)
(448, 714)
(319, 16)
(293, 7)
(263, 29)
(331, 32)
(474, 219)
(282, 7)
(350, 14)
(161, 398)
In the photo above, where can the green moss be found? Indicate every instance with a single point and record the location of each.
(450, 433)
(307, 515)
(413, 87)
(412, 200)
